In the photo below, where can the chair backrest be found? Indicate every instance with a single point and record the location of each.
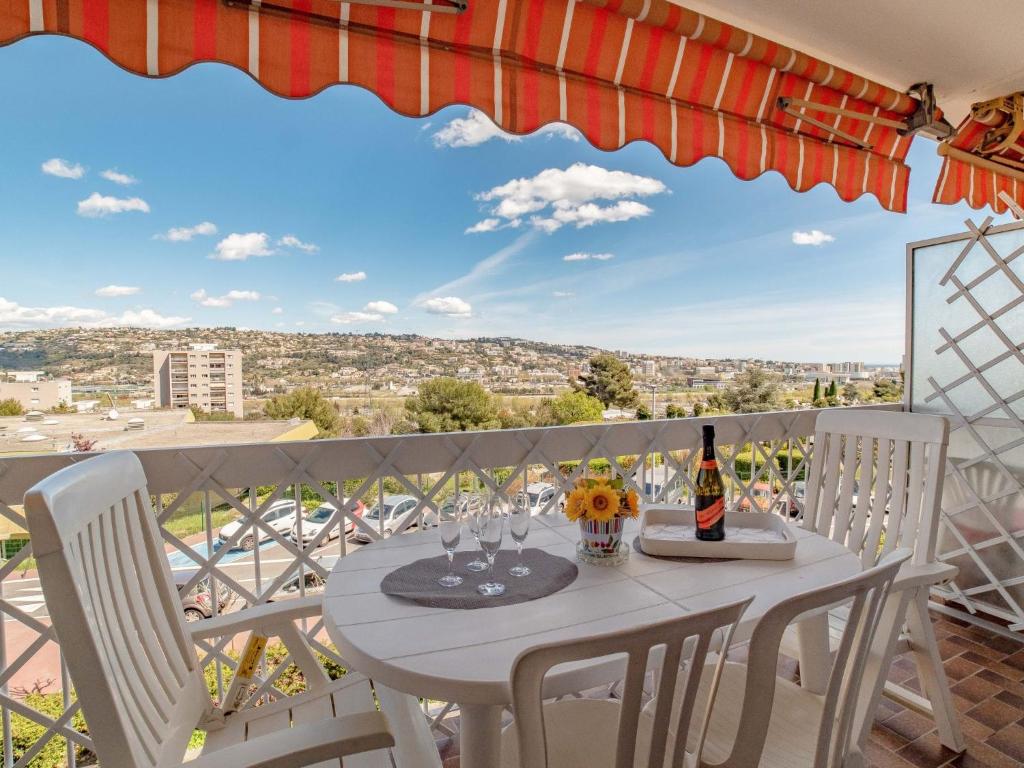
(672, 635)
(117, 615)
(865, 595)
(875, 482)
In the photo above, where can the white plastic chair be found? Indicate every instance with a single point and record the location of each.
(592, 733)
(875, 484)
(132, 656)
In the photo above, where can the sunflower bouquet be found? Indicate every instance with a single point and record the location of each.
(601, 507)
(601, 500)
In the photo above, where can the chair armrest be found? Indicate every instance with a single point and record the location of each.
(928, 575)
(304, 744)
(263, 616)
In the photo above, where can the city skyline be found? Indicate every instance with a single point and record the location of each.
(170, 207)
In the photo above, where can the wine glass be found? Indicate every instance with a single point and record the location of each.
(449, 523)
(492, 527)
(474, 507)
(519, 526)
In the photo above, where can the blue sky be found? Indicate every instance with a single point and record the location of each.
(242, 208)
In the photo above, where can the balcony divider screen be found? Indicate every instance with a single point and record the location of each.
(965, 360)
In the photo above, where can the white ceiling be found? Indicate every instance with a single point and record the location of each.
(970, 50)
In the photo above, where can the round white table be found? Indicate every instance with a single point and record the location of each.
(465, 656)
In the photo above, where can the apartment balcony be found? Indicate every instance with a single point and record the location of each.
(196, 491)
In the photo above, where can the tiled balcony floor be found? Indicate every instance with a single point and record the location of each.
(986, 673)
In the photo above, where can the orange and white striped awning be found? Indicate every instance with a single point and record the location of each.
(618, 70)
(984, 161)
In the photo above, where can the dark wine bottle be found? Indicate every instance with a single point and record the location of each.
(710, 503)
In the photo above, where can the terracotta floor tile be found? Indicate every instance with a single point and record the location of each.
(994, 713)
(1003, 682)
(926, 752)
(950, 647)
(976, 688)
(1013, 673)
(1003, 645)
(960, 667)
(1015, 660)
(979, 647)
(980, 755)
(1012, 699)
(1009, 740)
(910, 725)
(888, 738)
(878, 756)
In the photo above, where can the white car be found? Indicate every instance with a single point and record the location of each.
(395, 509)
(538, 496)
(315, 521)
(280, 516)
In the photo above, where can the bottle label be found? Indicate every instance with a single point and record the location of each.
(709, 464)
(710, 515)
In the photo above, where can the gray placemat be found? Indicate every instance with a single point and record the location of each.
(418, 581)
(636, 546)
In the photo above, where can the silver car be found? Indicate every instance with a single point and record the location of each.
(388, 518)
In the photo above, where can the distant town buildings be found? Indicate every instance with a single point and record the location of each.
(34, 391)
(203, 376)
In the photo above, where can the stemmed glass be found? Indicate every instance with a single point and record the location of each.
(450, 526)
(492, 526)
(519, 526)
(474, 507)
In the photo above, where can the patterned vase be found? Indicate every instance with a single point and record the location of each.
(601, 542)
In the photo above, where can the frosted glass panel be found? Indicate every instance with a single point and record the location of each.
(967, 363)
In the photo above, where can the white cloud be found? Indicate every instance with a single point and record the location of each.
(291, 241)
(241, 246)
(487, 225)
(14, 315)
(557, 197)
(109, 291)
(381, 308)
(477, 128)
(814, 237)
(350, 277)
(204, 299)
(562, 294)
(62, 169)
(97, 205)
(588, 257)
(184, 234)
(277, 311)
(118, 178)
(347, 318)
(449, 306)
(147, 318)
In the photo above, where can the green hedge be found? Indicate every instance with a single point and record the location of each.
(783, 460)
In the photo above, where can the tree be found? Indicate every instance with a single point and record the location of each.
(887, 390)
(445, 404)
(673, 411)
(754, 390)
(643, 413)
(698, 408)
(574, 408)
(11, 407)
(609, 381)
(816, 395)
(305, 403)
(850, 392)
(833, 389)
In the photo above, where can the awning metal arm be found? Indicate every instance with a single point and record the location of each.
(1009, 113)
(786, 104)
(997, 165)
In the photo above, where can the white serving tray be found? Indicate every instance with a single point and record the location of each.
(670, 531)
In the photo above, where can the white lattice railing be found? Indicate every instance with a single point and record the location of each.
(763, 457)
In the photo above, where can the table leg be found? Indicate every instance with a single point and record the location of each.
(815, 654)
(479, 735)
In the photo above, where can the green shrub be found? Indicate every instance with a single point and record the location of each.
(742, 464)
(26, 732)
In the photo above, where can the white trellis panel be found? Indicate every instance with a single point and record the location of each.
(654, 457)
(966, 353)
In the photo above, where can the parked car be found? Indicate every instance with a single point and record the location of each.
(539, 495)
(762, 494)
(313, 580)
(766, 500)
(280, 516)
(196, 603)
(390, 517)
(315, 521)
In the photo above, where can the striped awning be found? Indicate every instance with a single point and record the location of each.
(984, 161)
(618, 70)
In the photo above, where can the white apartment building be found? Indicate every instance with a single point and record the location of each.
(34, 392)
(203, 376)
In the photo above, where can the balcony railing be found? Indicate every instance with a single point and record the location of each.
(196, 491)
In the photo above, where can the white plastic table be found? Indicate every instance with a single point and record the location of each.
(465, 656)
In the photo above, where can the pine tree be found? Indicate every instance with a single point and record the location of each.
(817, 391)
(833, 389)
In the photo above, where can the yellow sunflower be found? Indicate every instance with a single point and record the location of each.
(603, 502)
(576, 504)
(633, 503)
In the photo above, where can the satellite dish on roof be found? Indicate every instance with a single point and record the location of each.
(34, 437)
(113, 415)
(34, 416)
